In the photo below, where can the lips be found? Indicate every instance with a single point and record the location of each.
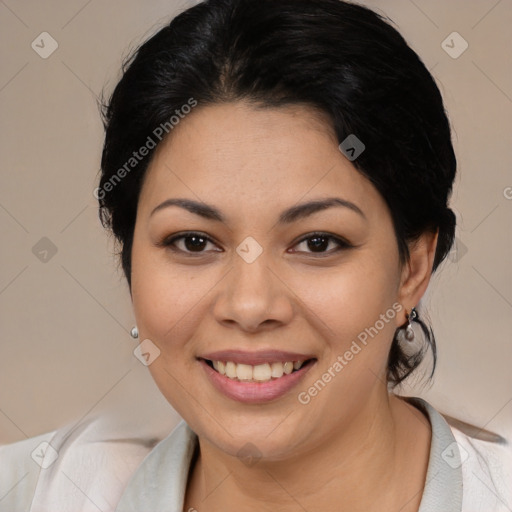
(255, 377)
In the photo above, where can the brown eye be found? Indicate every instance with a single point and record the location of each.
(188, 243)
(195, 243)
(320, 242)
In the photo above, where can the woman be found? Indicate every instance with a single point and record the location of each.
(277, 174)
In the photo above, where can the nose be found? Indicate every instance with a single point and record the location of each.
(253, 297)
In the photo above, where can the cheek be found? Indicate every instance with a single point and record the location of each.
(168, 304)
(167, 299)
(354, 303)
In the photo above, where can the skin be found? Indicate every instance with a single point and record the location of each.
(354, 445)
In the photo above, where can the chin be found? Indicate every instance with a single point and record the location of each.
(267, 438)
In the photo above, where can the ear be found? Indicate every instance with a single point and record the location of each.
(417, 271)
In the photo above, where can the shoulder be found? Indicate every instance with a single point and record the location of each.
(486, 463)
(69, 469)
(20, 466)
(160, 481)
(467, 461)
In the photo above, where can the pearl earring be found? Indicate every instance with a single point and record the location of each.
(134, 332)
(409, 332)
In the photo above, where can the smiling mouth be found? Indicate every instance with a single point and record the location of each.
(258, 373)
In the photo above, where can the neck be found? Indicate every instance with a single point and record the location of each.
(374, 463)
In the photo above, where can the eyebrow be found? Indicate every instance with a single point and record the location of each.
(287, 216)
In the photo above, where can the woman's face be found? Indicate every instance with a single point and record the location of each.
(261, 286)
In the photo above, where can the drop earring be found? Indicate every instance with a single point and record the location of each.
(134, 332)
(409, 332)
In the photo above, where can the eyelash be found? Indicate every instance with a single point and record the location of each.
(170, 241)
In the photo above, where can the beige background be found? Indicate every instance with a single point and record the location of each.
(66, 353)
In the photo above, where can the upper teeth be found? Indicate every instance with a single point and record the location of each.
(260, 372)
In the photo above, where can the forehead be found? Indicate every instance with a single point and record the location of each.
(238, 154)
